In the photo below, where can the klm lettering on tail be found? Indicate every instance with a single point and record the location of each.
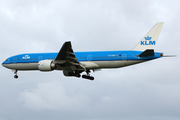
(148, 41)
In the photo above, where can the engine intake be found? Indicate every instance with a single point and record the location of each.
(46, 65)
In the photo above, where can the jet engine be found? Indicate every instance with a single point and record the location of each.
(46, 65)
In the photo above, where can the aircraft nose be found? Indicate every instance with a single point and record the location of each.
(3, 64)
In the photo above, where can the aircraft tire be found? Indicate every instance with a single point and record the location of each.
(87, 77)
(15, 76)
(84, 76)
(78, 75)
(91, 78)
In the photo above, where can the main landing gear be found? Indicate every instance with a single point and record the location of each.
(15, 72)
(88, 75)
(77, 74)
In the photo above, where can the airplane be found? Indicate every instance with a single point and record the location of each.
(74, 63)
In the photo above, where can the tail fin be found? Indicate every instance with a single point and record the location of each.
(150, 39)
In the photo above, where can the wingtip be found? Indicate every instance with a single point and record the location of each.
(169, 55)
(160, 22)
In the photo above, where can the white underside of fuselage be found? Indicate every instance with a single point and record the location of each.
(110, 64)
(22, 66)
(88, 65)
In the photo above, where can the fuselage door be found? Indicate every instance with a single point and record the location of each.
(89, 57)
(124, 56)
(15, 59)
(40, 58)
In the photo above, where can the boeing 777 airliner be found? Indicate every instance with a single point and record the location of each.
(74, 63)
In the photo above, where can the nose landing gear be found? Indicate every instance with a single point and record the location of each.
(15, 72)
(16, 76)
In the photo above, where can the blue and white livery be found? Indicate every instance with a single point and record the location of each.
(74, 63)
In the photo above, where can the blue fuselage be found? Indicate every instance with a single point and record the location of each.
(98, 57)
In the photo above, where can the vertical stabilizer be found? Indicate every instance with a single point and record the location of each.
(150, 39)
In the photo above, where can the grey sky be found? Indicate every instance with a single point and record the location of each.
(148, 91)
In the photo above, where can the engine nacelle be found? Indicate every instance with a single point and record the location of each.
(46, 65)
(68, 73)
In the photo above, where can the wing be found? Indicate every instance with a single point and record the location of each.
(67, 58)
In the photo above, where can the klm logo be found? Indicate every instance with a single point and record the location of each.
(26, 57)
(148, 41)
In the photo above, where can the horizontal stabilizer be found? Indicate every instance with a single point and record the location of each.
(147, 53)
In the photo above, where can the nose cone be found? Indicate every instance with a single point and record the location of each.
(3, 64)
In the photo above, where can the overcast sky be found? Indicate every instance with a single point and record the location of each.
(147, 91)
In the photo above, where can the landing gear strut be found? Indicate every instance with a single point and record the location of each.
(88, 75)
(15, 72)
(76, 74)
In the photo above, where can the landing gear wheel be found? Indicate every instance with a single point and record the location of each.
(84, 76)
(15, 76)
(78, 75)
(88, 77)
(91, 78)
(15, 72)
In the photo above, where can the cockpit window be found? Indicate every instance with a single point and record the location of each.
(6, 60)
